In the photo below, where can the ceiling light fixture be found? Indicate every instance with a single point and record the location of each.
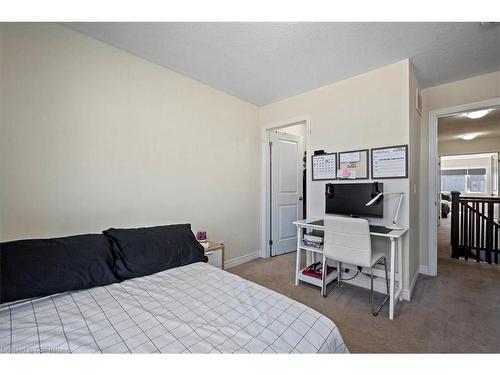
(477, 114)
(468, 137)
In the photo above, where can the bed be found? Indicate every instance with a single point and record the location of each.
(194, 308)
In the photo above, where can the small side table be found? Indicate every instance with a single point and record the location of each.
(215, 254)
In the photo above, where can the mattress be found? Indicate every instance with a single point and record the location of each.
(192, 309)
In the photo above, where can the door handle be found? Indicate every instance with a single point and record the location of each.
(300, 198)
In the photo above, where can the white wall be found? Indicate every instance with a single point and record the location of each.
(1, 121)
(469, 90)
(366, 111)
(93, 137)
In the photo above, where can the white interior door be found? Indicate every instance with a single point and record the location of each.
(286, 190)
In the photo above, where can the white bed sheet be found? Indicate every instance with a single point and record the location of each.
(192, 309)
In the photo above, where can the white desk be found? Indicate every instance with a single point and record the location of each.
(395, 237)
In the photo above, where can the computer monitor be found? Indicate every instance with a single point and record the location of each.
(351, 199)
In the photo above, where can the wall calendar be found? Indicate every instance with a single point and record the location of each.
(324, 166)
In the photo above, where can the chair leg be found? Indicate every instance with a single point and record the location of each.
(323, 277)
(386, 276)
(376, 311)
(371, 288)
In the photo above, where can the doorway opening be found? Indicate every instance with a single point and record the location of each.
(464, 183)
(286, 185)
(474, 177)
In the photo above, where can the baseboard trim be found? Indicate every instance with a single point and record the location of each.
(240, 260)
(424, 270)
(406, 293)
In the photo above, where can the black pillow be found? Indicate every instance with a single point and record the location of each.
(144, 251)
(35, 268)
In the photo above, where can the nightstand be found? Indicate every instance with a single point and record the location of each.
(215, 254)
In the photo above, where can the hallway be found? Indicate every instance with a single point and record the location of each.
(443, 238)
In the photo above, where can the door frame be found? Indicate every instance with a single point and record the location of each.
(434, 171)
(265, 212)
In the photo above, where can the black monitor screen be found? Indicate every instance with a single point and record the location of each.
(351, 199)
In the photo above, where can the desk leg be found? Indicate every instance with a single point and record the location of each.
(400, 268)
(393, 276)
(310, 258)
(297, 261)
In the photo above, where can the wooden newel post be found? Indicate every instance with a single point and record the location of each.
(455, 222)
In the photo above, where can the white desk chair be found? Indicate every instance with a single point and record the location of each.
(347, 240)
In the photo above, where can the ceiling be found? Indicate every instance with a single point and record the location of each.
(451, 127)
(265, 62)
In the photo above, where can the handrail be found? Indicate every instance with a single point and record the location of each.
(481, 199)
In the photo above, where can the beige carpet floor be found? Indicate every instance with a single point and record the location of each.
(458, 311)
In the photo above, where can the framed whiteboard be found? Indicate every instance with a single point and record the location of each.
(353, 165)
(324, 166)
(390, 162)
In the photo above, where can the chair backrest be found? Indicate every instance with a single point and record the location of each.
(348, 240)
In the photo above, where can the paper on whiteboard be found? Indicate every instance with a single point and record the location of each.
(389, 162)
(347, 173)
(350, 157)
